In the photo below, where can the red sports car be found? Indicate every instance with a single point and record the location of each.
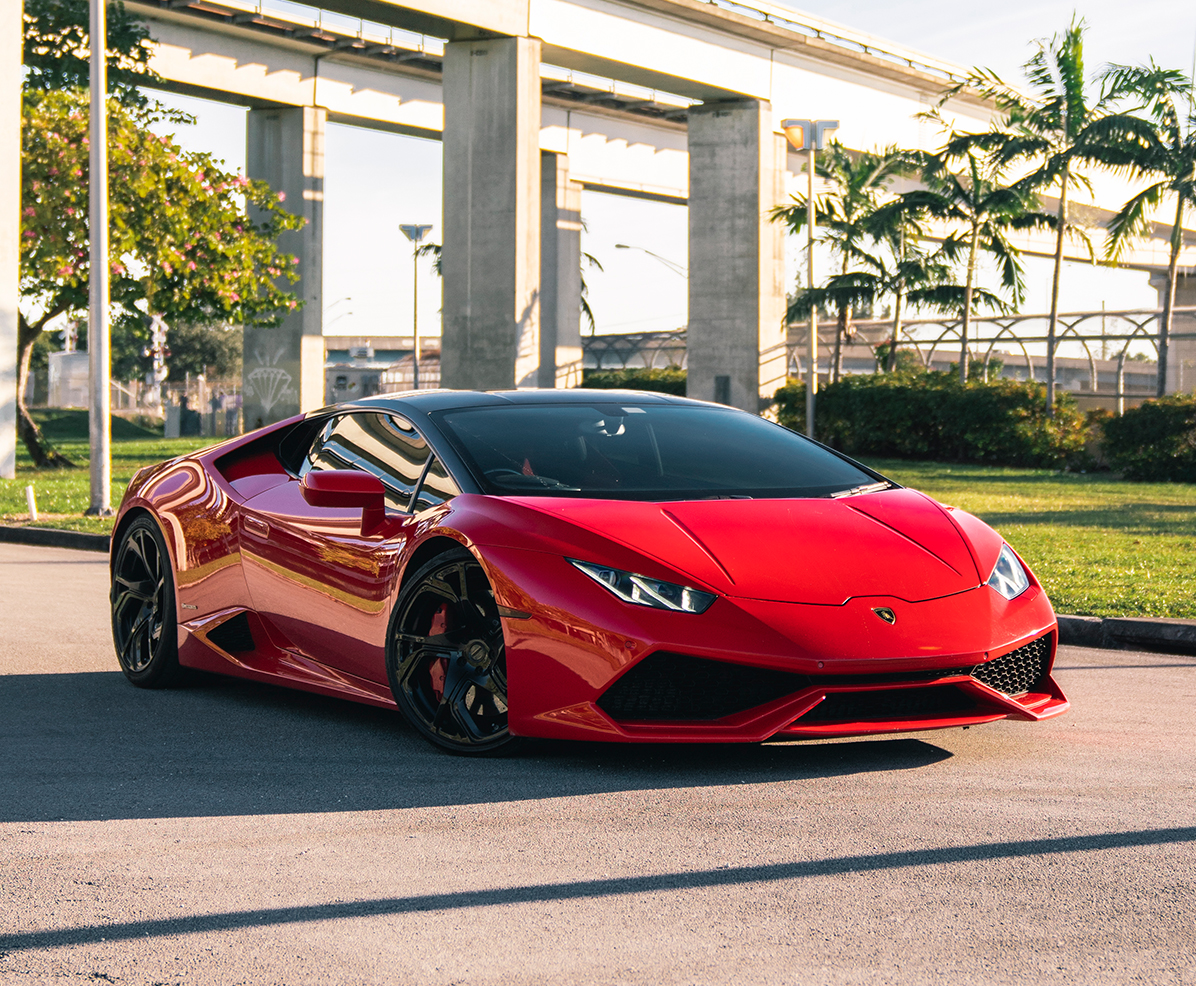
(598, 565)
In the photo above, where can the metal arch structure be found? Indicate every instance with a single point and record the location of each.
(925, 336)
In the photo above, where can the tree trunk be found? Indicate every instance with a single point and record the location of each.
(967, 304)
(43, 456)
(1169, 300)
(899, 297)
(840, 333)
(1054, 319)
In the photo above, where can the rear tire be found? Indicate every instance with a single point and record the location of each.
(144, 624)
(446, 660)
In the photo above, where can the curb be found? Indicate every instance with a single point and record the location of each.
(1129, 633)
(50, 538)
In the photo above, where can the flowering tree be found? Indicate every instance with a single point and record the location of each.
(184, 244)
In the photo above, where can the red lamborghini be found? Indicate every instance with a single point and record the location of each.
(597, 565)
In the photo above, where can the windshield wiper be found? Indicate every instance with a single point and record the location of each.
(866, 488)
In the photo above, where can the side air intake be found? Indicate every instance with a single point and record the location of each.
(233, 635)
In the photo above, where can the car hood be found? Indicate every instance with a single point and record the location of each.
(896, 543)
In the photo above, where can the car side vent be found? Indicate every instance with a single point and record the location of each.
(891, 703)
(677, 687)
(1019, 671)
(233, 635)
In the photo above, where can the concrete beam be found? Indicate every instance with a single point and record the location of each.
(283, 372)
(560, 274)
(492, 175)
(736, 256)
(11, 28)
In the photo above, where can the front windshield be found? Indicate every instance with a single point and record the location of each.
(649, 452)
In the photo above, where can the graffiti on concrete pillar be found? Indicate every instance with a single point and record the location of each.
(269, 383)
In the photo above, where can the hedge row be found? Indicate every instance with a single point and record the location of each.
(667, 381)
(918, 415)
(1155, 442)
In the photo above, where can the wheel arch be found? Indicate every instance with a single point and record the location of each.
(436, 545)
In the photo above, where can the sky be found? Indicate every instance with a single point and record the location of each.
(374, 181)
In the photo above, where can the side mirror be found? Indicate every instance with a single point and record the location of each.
(347, 488)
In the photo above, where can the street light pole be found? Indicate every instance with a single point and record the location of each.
(672, 265)
(415, 233)
(100, 416)
(807, 135)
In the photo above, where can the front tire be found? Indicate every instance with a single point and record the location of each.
(144, 625)
(446, 659)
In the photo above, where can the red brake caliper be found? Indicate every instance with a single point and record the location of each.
(438, 669)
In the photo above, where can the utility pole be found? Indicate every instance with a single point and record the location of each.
(415, 233)
(99, 419)
(806, 135)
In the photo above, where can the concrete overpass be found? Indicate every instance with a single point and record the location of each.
(534, 100)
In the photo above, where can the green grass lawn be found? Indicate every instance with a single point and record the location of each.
(1100, 546)
(63, 494)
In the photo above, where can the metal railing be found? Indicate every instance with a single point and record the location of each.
(1112, 338)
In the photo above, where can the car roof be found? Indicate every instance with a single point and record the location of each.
(426, 401)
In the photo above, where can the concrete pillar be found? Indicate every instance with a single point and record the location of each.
(492, 174)
(1181, 359)
(11, 26)
(736, 335)
(560, 274)
(283, 372)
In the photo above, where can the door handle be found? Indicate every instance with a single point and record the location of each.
(256, 527)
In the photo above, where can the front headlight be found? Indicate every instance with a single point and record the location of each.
(643, 591)
(1008, 576)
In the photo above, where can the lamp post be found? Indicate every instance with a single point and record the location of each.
(806, 135)
(415, 233)
(99, 419)
(672, 265)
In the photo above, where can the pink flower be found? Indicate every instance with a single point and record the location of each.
(29, 234)
(282, 196)
(190, 265)
(233, 296)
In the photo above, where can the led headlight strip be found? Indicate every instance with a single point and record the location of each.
(1008, 577)
(643, 591)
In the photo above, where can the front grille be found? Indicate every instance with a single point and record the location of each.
(891, 703)
(678, 687)
(1019, 671)
(233, 636)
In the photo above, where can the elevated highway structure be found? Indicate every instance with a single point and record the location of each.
(534, 100)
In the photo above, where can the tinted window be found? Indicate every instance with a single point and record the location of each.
(384, 445)
(642, 452)
(437, 488)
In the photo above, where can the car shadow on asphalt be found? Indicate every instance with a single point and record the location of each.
(90, 746)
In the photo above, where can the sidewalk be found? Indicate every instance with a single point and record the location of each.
(1111, 633)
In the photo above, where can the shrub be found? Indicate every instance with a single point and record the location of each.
(917, 415)
(1155, 442)
(667, 381)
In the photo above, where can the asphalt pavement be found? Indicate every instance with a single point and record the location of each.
(232, 833)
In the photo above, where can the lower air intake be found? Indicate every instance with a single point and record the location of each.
(891, 703)
(676, 687)
(1019, 671)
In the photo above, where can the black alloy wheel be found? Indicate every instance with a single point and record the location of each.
(446, 659)
(144, 627)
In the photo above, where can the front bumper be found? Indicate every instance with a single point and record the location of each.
(814, 670)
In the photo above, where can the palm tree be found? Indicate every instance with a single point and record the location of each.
(1066, 122)
(857, 185)
(975, 199)
(1168, 97)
